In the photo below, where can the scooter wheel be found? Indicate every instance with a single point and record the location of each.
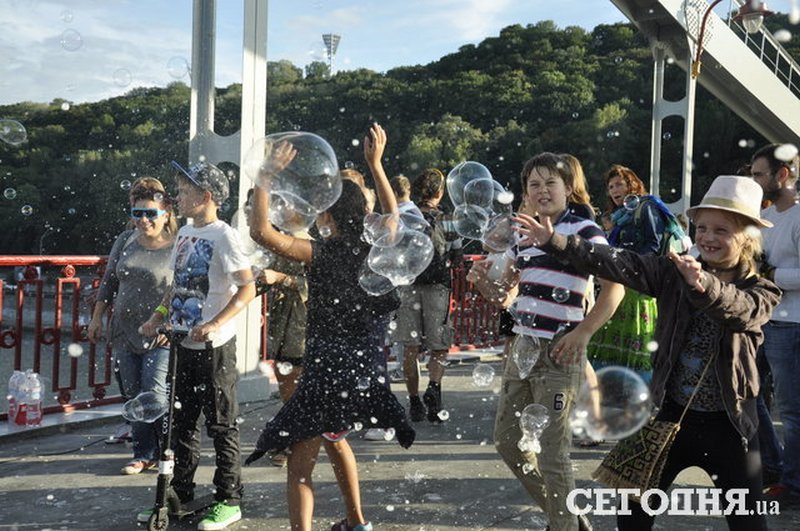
(157, 524)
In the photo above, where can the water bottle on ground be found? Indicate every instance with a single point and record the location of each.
(14, 384)
(33, 400)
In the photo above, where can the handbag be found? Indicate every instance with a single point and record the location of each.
(637, 461)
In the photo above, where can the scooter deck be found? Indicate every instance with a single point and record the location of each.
(193, 507)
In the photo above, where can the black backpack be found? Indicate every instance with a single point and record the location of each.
(438, 271)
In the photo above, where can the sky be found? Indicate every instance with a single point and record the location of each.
(88, 50)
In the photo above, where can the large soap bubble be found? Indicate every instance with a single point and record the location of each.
(470, 221)
(499, 234)
(12, 132)
(460, 176)
(613, 408)
(382, 230)
(402, 262)
(295, 164)
(532, 422)
(144, 407)
(480, 192)
(483, 375)
(290, 212)
(372, 282)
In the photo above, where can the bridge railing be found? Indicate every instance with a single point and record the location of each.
(771, 52)
(47, 305)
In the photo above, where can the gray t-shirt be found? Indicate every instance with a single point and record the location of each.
(134, 282)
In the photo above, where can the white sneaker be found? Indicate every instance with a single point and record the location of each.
(377, 434)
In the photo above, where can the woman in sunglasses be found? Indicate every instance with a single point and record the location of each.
(136, 277)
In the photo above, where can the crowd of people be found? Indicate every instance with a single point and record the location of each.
(703, 326)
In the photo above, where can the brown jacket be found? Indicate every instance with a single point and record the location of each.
(742, 307)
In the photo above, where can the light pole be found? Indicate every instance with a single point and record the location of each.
(751, 15)
(331, 41)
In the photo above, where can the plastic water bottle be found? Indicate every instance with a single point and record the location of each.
(33, 400)
(13, 396)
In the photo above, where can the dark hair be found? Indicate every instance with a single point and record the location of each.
(143, 193)
(349, 210)
(775, 164)
(632, 181)
(427, 185)
(554, 163)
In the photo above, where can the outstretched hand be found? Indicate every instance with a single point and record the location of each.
(276, 158)
(536, 233)
(690, 269)
(374, 145)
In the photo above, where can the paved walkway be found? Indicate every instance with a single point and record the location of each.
(66, 477)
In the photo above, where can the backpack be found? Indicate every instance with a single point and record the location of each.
(438, 271)
(673, 237)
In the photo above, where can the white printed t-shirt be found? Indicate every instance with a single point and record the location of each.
(204, 259)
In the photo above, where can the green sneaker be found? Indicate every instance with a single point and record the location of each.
(144, 516)
(220, 516)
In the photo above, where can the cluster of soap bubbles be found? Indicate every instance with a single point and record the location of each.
(616, 406)
(532, 421)
(144, 407)
(299, 171)
(400, 251)
(483, 207)
(12, 132)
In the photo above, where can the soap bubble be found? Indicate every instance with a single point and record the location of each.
(480, 192)
(26, 210)
(482, 375)
(122, 77)
(382, 230)
(412, 221)
(71, 40)
(66, 16)
(402, 262)
(284, 368)
(470, 221)
(630, 202)
(463, 174)
(144, 407)
(372, 282)
(10, 193)
(532, 421)
(502, 200)
(12, 132)
(290, 212)
(783, 35)
(525, 352)
(75, 350)
(295, 164)
(443, 415)
(616, 407)
(499, 234)
(177, 67)
(786, 152)
(125, 184)
(560, 295)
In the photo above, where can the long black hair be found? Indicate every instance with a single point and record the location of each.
(349, 210)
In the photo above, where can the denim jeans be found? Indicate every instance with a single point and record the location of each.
(782, 348)
(140, 373)
(771, 449)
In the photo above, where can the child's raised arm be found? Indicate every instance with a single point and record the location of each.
(374, 146)
(261, 229)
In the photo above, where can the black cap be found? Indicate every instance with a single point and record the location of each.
(208, 177)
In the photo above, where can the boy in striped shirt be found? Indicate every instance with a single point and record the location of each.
(547, 301)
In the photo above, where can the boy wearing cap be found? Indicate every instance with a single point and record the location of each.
(212, 283)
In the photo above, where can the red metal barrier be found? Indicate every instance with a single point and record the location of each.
(61, 314)
(475, 321)
(46, 333)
